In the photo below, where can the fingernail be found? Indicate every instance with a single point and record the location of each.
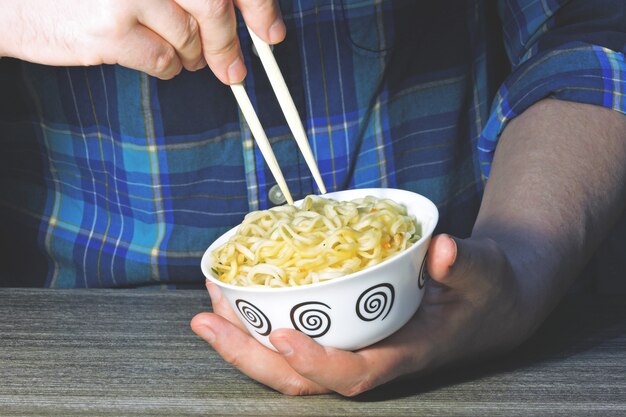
(283, 347)
(236, 71)
(456, 250)
(277, 31)
(207, 334)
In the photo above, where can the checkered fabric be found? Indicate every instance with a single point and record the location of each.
(111, 178)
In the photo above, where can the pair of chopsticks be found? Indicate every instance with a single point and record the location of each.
(289, 110)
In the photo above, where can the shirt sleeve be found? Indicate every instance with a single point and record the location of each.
(568, 50)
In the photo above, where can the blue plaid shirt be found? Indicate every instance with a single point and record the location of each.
(111, 178)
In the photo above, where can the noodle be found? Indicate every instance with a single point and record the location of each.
(324, 239)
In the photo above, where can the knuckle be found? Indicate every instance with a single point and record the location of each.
(165, 62)
(217, 8)
(306, 368)
(360, 387)
(112, 21)
(295, 387)
(231, 357)
(260, 4)
(264, 7)
(190, 33)
(224, 49)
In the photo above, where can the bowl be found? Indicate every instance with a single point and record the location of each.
(349, 312)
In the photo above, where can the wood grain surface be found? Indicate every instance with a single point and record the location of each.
(131, 352)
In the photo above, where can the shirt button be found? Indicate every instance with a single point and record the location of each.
(254, 51)
(276, 196)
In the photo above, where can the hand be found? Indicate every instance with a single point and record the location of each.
(470, 308)
(159, 37)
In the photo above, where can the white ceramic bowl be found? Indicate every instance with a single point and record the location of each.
(348, 312)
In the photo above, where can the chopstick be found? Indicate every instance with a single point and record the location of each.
(259, 136)
(291, 115)
(287, 106)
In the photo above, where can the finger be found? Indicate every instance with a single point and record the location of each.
(452, 260)
(441, 256)
(250, 357)
(463, 263)
(218, 32)
(201, 64)
(220, 305)
(264, 18)
(348, 373)
(146, 51)
(177, 27)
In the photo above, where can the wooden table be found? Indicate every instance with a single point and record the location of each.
(131, 352)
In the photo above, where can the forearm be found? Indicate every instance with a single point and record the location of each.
(557, 185)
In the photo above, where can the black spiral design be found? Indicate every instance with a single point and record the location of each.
(310, 318)
(374, 302)
(254, 316)
(422, 276)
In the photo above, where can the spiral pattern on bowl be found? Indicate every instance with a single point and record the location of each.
(254, 316)
(422, 276)
(311, 318)
(375, 302)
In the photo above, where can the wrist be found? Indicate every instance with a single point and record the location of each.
(536, 267)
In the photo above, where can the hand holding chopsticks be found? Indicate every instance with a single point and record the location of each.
(291, 115)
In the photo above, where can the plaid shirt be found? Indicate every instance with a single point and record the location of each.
(111, 178)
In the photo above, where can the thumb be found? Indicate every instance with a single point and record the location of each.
(441, 257)
(452, 260)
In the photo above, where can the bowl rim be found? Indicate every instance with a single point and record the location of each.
(426, 234)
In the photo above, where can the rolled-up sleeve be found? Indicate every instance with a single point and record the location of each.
(568, 50)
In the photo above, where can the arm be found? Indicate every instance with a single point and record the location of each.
(558, 184)
(159, 37)
(556, 187)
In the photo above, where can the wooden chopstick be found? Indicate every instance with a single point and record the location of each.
(259, 136)
(287, 105)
